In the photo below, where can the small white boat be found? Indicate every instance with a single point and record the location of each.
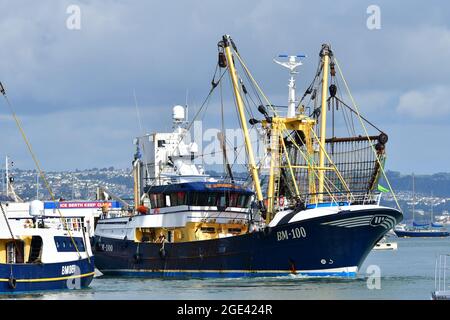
(383, 244)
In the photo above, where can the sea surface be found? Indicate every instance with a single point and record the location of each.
(407, 273)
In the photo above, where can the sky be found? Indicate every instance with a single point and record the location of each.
(73, 88)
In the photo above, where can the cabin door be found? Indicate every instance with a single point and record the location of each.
(13, 254)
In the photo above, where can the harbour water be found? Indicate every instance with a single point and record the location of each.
(407, 273)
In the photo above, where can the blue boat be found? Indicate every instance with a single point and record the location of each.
(305, 242)
(316, 214)
(421, 232)
(40, 253)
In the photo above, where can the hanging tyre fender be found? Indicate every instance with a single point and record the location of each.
(267, 231)
(12, 282)
(137, 257)
(162, 251)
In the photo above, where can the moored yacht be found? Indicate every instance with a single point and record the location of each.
(421, 230)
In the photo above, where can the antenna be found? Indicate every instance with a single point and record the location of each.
(37, 185)
(186, 106)
(137, 111)
(292, 65)
(7, 175)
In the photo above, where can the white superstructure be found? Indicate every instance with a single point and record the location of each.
(166, 158)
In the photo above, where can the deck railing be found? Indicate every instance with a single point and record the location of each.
(71, 224)
(442, 269)
(342, 199)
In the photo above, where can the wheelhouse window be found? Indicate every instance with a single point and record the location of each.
(244, 201)
(222, 200)
(216, 199)
(177, 198)
(202, 199)
(233, 199)
(158, 200)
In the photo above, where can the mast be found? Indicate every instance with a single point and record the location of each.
(37, 186)
(242, 118)
(291, 64)
(136, 184)
(414, 197)
(325, 54)
(431, 203)
(7, 176)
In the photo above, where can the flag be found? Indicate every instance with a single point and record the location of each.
(382, 189)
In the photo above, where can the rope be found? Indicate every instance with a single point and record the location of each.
(255, 83)
(36, 162)
(367, 134)
(10, 230)
(311, 164)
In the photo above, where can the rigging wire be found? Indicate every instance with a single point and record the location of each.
(270, 104)
(41, 173)
(255, 83)
(367, 134)
(16, 247)
(204, 103)
(141, 129)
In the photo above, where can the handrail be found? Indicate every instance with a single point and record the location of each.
(354, 198)
(440, 274)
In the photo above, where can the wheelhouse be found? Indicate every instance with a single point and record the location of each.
(202, 194)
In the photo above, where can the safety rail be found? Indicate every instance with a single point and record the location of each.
(150, 182)
(66, 223)
(71, 224)
(342, 199)
(441, 288)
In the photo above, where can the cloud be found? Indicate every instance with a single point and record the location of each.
(428, 103)
(76, 87)
(418, 147)
(70, 139)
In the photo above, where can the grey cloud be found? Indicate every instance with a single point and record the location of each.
(160, 49)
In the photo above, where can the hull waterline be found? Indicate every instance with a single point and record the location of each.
(334, 245)
(21, 278)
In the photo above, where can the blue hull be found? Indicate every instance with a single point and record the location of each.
(421, 234)
(17, 278)
(322, 246)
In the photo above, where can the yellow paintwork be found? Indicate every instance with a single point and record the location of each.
(323, 123)
(279, 126)
(25, 240)
(243, 120)
(137, 182)
(53, 279)
(193, 231)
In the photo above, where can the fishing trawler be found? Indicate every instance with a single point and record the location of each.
(38, 252)
(319, 214)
